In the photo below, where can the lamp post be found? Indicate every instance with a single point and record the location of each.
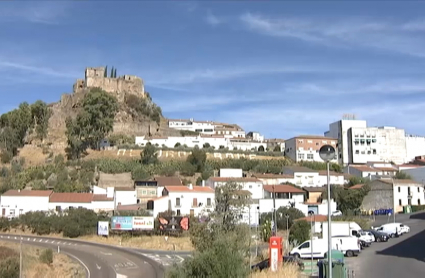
(20, 258)
(287, 232)
(274, 212)
(327, 153)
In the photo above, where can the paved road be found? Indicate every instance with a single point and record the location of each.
(166, 258)
(399, 257)
(100, 261)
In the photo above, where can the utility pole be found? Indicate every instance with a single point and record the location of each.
(329, 223)
(287, 231)
(274, 211)
(20, 258)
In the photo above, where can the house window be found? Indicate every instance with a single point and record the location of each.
(300, 141)
(317, 143)
(309, 141)
(58, 208)
(357, 151)
(177, 202)
(374, 151)
(361, 141)
(250, 187)
(178, 212)
(399, 202)
(409, 202)
(208, 202)
(144, 192)
(310, 156)
(356, 142)
(399, 189)
(300, 156)
(419, 202)
(153, 192)
(12, 212)
(419, 190)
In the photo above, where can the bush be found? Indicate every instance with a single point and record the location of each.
(9, 267)
(418, 208)
(300, 231)
(46, 256)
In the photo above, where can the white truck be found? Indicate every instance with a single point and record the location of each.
(346, 228)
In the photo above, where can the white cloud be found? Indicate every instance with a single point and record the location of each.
(212, 19)
(35, 12)
(35, 69)
(351, 32)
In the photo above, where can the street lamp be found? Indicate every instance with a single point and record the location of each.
(311, 241)
(287, 231)
(327, 153)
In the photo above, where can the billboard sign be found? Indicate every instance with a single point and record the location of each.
(174, 223)
(143, 223)
(123, 223)
(103, 228)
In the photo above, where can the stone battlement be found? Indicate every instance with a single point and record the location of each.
(119, 86)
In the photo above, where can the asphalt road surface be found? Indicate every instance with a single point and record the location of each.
(99, 261)
(399, 257)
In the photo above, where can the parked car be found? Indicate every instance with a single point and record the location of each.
(404, 229)
(336, 213)
(379, 237)
(392, 229)
(364, 244)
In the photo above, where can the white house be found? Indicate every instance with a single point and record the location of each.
(17, 202)
(285, 195)
(407, 192)
(274, 178)
(103, 202)
(253, 185)
(63, 201)
(125, 196)
(205, 127)
(303, 176)
(334, 178)
(185, 200)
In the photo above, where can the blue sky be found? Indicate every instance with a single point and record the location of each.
(281, 68)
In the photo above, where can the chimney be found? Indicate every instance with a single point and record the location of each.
(203, 183)
(190, 186)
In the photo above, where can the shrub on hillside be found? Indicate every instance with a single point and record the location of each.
(9, 267)
(46, 256)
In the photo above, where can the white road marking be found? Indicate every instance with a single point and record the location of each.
(156, 255)
(8, 236)
(53, 241)
(34, 239)
(81, 262)
(98, 266)
(16, 237)
(181, 259)
(28, 239)
(168, 256)
(106, 254)
(40, 240)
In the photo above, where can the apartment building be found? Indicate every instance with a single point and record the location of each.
(306, 147)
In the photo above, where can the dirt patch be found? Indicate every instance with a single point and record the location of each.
(62, 266)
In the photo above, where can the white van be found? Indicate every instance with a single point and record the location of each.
(392, 229)
(348, 245)
(320, 247)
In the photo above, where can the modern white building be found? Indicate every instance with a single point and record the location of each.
(215, 141)
(339, 130)
(204, 127)
(386, 144)
(63, 201)
(415, 146)
(302, 176)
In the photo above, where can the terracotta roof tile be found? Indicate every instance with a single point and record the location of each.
(356, 186)
(124, 189)
(282, 188)
(386, 169)
(300, 169)
(313, 137)
(129, 207)
(314, 218)
(71, 198)
(314, 189)
(28, 193)
(199, 189)
(364, 168)
(272, 176)
(167, 181)
(399, 181)
(101, 198)
(331, 173)
(223, 179)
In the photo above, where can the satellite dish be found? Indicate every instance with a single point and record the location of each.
(327, 153)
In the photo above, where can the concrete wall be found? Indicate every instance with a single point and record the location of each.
(415, 146)
(380, 196)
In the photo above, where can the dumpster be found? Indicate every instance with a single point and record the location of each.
(338, 269)
(407, 209)
(336, 255)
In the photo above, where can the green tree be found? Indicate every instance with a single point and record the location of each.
(46, 256)
(41, 114)
(115, 73)
(300, 231)
(206, 146)
(105, 74)
(277, 149)
(112, 72)
(197, 158)
(149, 155)
(221, 244)
(402, 176)
(281, 213)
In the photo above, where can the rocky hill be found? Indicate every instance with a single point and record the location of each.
(130, 120)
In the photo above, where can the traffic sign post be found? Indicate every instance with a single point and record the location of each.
(275, 253)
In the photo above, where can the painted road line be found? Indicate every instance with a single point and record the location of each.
(168, 256)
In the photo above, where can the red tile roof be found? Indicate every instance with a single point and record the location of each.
(222, 179)
(356, 186)
(314, 218)
(364, 168)
(282, 188)
(166, 181)
(28, 193)
(129, 207)
(198, 189)
(71, 198)
(125, 189)
(331, 173)
(386, 169)
(272, 176)
(101, 198)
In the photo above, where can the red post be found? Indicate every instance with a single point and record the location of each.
(275, 252)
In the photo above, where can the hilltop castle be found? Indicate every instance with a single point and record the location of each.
(120, 86)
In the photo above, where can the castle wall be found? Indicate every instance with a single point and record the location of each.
(117, 86)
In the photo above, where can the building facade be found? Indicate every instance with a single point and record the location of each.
(306, 147)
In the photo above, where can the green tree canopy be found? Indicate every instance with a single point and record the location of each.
(149, 155)
(197, 158)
